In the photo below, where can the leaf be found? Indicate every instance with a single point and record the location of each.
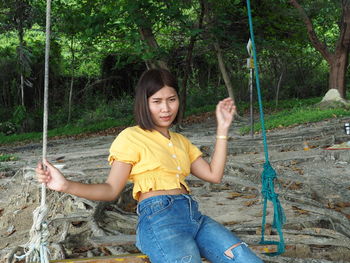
(251, 202)
(230, 223)
(296, 185)
(234, 195)
(299, 210)
(343, 204)
(11, 230)
(250, 196)
(299, 170)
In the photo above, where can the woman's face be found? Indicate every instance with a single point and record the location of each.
(163, 106)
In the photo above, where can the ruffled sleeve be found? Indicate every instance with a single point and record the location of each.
(192, 150)
(123, 149)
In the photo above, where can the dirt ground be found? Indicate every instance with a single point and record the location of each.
(313, 186)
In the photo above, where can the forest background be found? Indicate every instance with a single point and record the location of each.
(100, 48)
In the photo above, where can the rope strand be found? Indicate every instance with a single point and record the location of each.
(36, 249)
(269, 175)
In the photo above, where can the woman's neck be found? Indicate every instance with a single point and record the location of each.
(163, 131)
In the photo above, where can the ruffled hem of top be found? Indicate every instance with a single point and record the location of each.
(155, 182)
(113, 158)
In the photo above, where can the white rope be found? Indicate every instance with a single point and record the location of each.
(36, 249)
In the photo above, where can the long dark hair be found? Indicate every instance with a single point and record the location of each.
(149, 83)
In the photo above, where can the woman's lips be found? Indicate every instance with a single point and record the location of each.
(167, 118)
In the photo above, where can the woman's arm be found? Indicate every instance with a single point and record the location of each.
(107, 191)
(214, 171)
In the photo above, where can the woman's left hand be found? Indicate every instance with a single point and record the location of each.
(225, 111)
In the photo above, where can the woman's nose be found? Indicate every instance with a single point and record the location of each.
(165, 107)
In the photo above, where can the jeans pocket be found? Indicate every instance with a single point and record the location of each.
(159, 206)
(196, 214)
(138, 243)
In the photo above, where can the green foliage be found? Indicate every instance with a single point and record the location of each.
(19, 115)
(295, 116)
(84, 33)
(7, 128)
(7, 157)
(113, 110)
(194, 111)
(68, 130)
(16, 14)
(106, 115)
(198, 98)
(290, 103)
(289, 113)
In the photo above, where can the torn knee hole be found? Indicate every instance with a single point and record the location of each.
(229, 253)
(186, 259)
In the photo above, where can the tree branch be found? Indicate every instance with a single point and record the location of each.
(188, 62)
(344, 39)
(322, 48)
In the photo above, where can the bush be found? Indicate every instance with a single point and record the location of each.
(113, 110)
(7, 128)
(7, 157)
(19, 115)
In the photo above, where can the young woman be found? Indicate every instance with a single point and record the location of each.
(170, 227)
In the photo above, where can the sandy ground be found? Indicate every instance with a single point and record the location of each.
(314, 189)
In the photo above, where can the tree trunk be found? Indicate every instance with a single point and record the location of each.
(148, 36)
(337, 72)
(72, 80)
(223, 70)
(278, 87)
(21, 60)
(188, 62)
(337, 61)
(70, 99)
(183, 91)
(22, 89)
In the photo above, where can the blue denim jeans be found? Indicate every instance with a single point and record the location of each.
(170, 229)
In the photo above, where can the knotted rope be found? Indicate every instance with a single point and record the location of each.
(268, 191)
(36, 249)
(269, 175)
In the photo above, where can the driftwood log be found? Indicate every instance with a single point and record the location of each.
(317, 201)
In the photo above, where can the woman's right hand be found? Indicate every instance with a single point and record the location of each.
(51, 177)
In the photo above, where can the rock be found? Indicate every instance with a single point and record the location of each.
(333, 100)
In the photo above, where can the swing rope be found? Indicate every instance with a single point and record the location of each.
(36, 249)
(269, 174)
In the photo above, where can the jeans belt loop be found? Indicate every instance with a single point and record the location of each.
(190, 202)
(137, 210)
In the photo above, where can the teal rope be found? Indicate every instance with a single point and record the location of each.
(268, 191)
(269, 175)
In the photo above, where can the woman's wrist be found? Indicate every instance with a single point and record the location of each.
(222, 134)
(222, 131)
(221, 137)
(66, 186)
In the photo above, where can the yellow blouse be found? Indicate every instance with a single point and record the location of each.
(158, 163)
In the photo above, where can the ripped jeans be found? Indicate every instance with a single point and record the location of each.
(170, 229)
